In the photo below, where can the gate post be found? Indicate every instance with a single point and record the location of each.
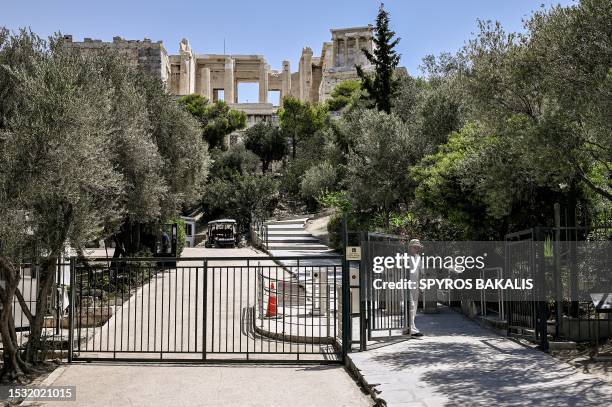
(204, 308)
(346, 294)
(71, 312)
(363, 284)
(541, 305)
(557, 272)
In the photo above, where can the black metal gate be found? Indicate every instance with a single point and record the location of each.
(207, 309)
(521, 262)
(386, 309)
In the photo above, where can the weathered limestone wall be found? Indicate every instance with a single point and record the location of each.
(150, 56)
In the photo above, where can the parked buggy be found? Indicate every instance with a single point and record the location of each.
(222, 233)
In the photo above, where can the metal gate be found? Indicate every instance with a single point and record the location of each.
(386, 309)
(282, 309)
(520, 259)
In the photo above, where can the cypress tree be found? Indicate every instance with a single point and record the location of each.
(381, 86)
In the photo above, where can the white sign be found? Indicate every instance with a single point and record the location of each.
(353, 253)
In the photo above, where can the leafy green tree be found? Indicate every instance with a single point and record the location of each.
(267, 141)
(90, 148)
(236, 160)
(217, 119)
(299, 121)
(157, 147)
(57, 176)
(537, 107)
(240, 196)
(344, 93)
(382, 86)
(379, 162)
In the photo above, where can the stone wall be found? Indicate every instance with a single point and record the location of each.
(150, 56)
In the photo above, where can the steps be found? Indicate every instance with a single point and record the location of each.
(288, 237)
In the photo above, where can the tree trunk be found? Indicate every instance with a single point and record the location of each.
(13, 368)
(46, 281)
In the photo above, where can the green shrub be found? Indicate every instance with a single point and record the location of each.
(317, 180)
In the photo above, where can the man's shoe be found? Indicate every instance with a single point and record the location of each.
(417, 334)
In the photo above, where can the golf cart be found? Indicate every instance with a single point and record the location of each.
(222, 233)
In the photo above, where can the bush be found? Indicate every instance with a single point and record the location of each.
(292, 176)
(181, 234)
(317, 180)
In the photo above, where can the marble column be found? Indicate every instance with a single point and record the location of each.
(263, 82)
(305, 74)
(205, 88)
(286, 81)
(184, 75)
(357, 52)
(228, 84)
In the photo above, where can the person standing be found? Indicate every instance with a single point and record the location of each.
(415, 247)
(165, 243)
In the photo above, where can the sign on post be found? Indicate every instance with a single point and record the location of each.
(353, 253)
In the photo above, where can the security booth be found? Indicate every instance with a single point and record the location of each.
(222, 233)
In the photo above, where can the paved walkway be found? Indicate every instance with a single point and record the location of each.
(458, 363)
(205, 385)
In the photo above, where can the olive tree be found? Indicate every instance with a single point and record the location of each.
(57, 177)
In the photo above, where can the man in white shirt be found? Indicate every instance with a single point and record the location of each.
(415, 247)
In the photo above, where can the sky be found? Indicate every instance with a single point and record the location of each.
(276, 29)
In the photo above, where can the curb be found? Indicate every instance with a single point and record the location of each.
(49, 380)
(294, 338)
(369, 388)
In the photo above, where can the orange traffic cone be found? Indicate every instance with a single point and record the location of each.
(272, 304)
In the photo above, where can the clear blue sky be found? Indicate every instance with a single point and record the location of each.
(276, 29)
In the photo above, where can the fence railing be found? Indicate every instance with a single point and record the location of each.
(259, 233)
(247, 308)
(207, 309)
(55, 332)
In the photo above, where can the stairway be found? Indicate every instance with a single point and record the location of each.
(290, 238)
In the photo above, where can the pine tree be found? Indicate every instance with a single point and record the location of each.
(381, 86)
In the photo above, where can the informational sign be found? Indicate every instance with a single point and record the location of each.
(353, 253)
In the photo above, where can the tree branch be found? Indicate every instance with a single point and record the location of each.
(590, 183)
(24, 306)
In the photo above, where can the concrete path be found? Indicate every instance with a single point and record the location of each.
(206, 385)
(458, 363)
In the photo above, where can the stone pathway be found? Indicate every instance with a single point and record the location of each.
(458, 363)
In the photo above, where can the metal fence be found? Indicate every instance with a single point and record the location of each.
(386, 309)
(55, 335)
(555, 256)
(259, 232)
(207, 309)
